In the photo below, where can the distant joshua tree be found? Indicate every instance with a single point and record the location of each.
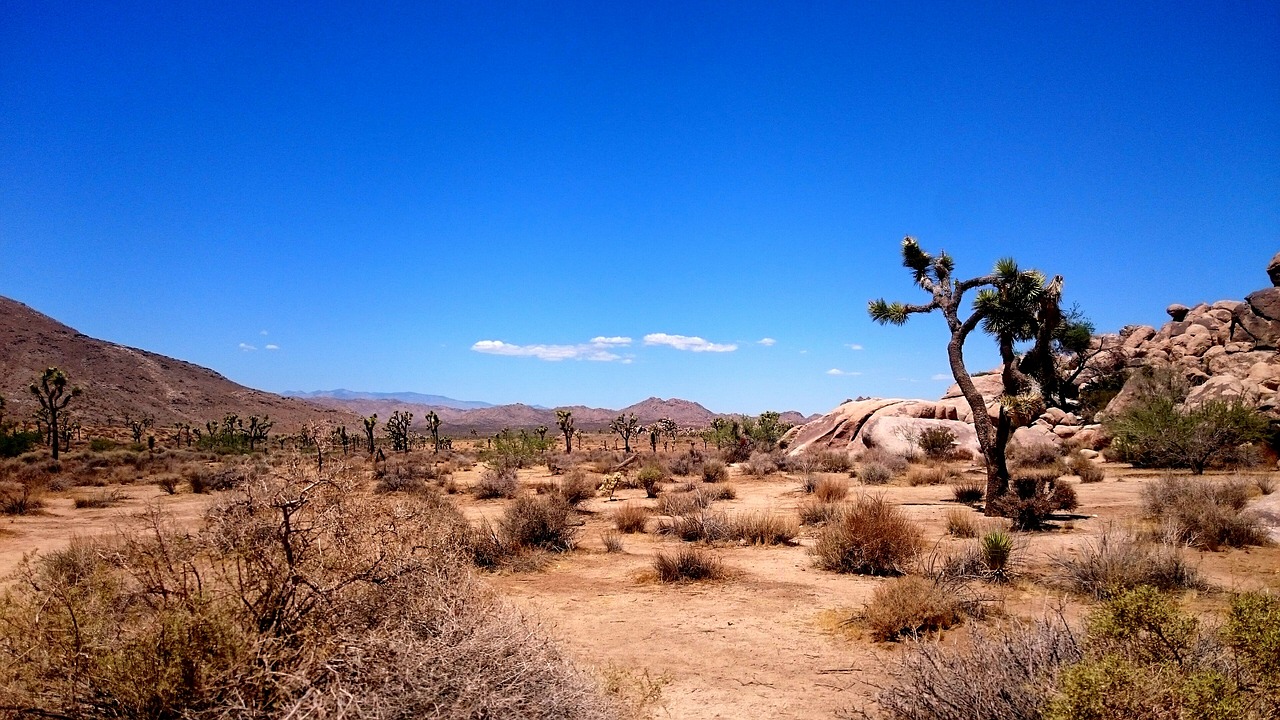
(432, 421)
(624, 426)
(370, 423)
(52, 392)
(257, 430)
(564, 419)
(139, 426)
(397, 430)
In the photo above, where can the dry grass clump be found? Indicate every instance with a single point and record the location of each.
(1033, 454)
(919, 475)
(894, 462)
(297, 597)
(1084, 468)
(1264, 483)
(22, 497)
(1203, 513)
(631, 518)
(611, 541)
(814, 512)
(874, 473)
(720, 492)
(911, 606)
(687, 564)
(681, 503)
(575, 488)
(539, 523)
(962, 524)
(829, 461)
(714, 471)
(763, 528)
(870, 537)
(829, 490)
(100, 500)
(1118, 561)
(968, 491)
(1007, 672)
(703, 525)
(760, 464)
(497, 482)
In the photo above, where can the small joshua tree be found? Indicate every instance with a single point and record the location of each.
(138, 427)
(52, 392)
(564, 419)
(257, 430)
(624, 426)
(432, 421)
(370, 423)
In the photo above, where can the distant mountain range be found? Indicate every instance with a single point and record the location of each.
(119, 381)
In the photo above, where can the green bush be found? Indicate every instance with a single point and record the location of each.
(936, 442)
(13, 444)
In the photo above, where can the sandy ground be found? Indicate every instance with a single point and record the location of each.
(768, 641)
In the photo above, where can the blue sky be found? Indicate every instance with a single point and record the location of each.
(459, 198)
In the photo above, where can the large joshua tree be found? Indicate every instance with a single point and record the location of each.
(625, 426)
(564, 419)
(52, 392)
(1009, 306)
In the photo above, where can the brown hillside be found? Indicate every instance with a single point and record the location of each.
(119, 380)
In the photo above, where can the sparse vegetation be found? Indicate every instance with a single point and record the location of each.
(687, 564)
(874, 473)
(961, 523)
(497, 482)
(631, 518)
(762, 528)
(1202, 513)
(714, 471)
(870, 537)
(966, 491)
(912, 606)
(830, 490)
(539, 523)
(1118, 561)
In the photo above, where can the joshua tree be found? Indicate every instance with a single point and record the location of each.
(541, 432)
(624, 426)
(397, 430)
(257, 430)
(52, 392)
(139, 426)
(432, 422)
(933, 275)
(564, 419)
(369, 424)
(668, 428)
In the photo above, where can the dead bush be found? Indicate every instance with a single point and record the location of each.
(294, 598)
(919, 475)
(631, 518)
(714, 471)
(760, 465)
(814, 512)
(720, 492)
(22, 497)
(1034, 495)
(681, 503)
(540, 523)
(894, 462)
(1007, 672)
(831, 461)
(874, 473)
(168, 482)
(688, 463)
(1203, 513)
(870, 537)
(576, 487)
(99, 500)
(703, 525)
(1033, 454)
(968, 491)
(912, 606)
(763, 528)
(611, 541)
(497, 482)
(829, 490)
(1084, 468)
(962, 524)
(1119, 561)
(687, 564)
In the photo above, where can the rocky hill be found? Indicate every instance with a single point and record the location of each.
(119, 380)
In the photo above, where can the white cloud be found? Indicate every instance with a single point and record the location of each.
(611, 341)
(550, 353)
(853, 346)
(843, 373)
(692, 343)
(272, 347)
(767, 342)
(262, 332)
(942, 376)
(246, 347)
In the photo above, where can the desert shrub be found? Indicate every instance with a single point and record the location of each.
(831, 461)
(873, 473)
(15, 443)
(878, 456)
(928, 475)
(1034, 495)
(1006, 672)
(99, 500)
(1119, 561)
(760, 464)
(344, 606)
(829, 490)
(558, 463)
(961, 523)
(542, 523)
(1088, 471)
(936, 442)
(762, 528)
(22, 496)
(1252, 630)
(809, 482)
(686, 463)
(703, 525)
(996, 549)
(687, 564)
(650, 478)
(911, 606)
(714, 471)
(611, 541)
(870, 537)
(576, 488)
(719, 492)
(1033, 454)
(1203, 514)
(814, 512)
(168, 482)
(967, 491)
(1157, 431)
(683, 502)
(1264, 483)
(497, 482)
(403, 478)
(631, 518)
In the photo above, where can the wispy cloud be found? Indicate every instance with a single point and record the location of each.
(843, 373)
(767, 342)
(551, 353)
(942, 376)
(692, 343)
(262, 332)
(272, 347)
(611, 341)
(853, 346)
(246, 347)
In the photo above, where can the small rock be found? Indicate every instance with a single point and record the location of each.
(1273, 270)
